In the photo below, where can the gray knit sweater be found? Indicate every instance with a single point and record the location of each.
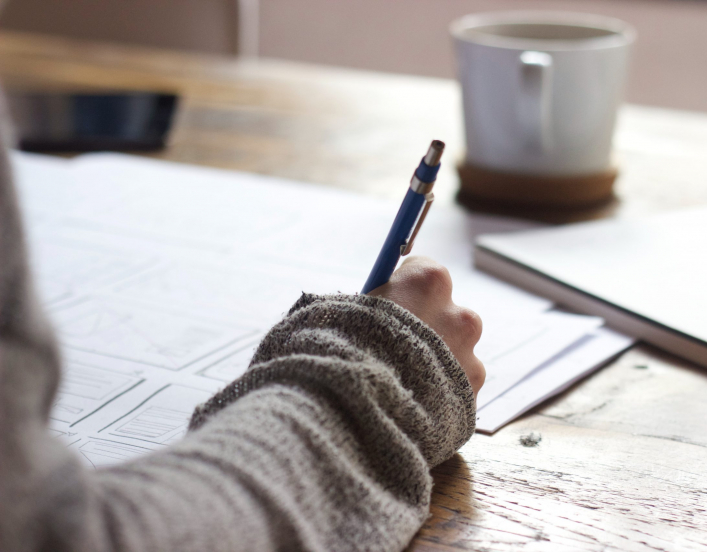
(324, 444)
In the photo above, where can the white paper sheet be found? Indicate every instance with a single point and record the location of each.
(162, 278)
(521, 344)
(551, 378)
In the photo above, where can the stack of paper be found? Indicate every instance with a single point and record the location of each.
(161, 279)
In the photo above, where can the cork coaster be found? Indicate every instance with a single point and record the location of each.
(533, 195)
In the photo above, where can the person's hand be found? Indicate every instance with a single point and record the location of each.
(424, 287)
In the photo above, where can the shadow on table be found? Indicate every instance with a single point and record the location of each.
(453, 505)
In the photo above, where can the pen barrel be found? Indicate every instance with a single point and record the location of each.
(400, 231)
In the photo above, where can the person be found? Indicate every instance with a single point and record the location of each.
(324, 444)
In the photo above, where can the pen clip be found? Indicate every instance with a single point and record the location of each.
(407, 246)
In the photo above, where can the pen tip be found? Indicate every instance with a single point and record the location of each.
(434, 154)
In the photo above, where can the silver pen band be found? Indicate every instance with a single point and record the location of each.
(420, 187)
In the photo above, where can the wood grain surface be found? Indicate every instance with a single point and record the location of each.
(622, 460)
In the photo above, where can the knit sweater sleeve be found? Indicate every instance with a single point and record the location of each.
(324, 444)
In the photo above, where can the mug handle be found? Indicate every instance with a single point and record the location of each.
(534, 107)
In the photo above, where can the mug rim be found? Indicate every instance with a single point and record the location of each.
(621, 32)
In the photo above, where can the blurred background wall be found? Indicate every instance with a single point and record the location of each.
(203, 25)
(403, 36)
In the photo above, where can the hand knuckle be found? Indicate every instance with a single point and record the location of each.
(470, 323)
(478, 376)
(435, 280)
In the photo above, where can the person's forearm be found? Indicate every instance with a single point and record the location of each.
(325, 444)
(280, 469)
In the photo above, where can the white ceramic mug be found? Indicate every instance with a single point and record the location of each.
(541, 89)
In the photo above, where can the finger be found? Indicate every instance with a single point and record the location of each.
(470, 326)
(409, 267)
(426, 277)
(476, 372)
(418, 260)
(462, 330)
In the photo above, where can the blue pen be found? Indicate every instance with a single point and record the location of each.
(414, 209)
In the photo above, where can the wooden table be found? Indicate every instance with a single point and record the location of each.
(622, 464)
